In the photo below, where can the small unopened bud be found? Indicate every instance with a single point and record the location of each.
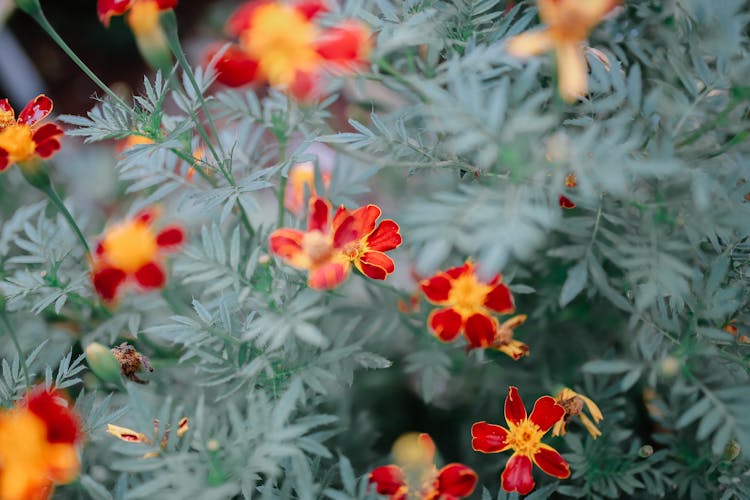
(35, 173)
(669, 366)
(213, 445)
(732, 451)
(102, 362)
(646, 451)
(264, 259)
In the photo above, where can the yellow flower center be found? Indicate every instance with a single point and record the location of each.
(467, 294)
(525, 438)
(143, 17)
(6, 118)
(281, 40)
(130, 246)
(17, 141)
(317, 246)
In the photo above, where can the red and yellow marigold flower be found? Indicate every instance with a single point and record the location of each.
(301, 179)
(564, 201)
(467, 305)
(280, 44)
(523, 436)
(144, 14)
(132, 250)
(38, 439)
(417, 477)
(26, 138)
(331, 244)
(569, 23)
(573, 403)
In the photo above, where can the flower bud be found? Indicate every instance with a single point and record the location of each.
(102, 362)
(35, 173)
(732, 451)
(646, 451)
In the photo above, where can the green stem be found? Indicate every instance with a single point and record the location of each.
(283, 183)
(21, 355)
(720, 119)
(55, 199)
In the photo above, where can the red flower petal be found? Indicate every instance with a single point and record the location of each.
(515, 413)
(311, 8)
(306, 86)
(500, 300)
(4, 162)
(328, 276)
(170, 237)
(147, 215)
(388, 479)
(566, 203)
(455, 272)
(319, 216)
(385, 237)
(151, 276)
(242, 18)
(35, 110)
(63, 425)
(428, 447)
(47, 148)
(7, 108)
(551, 462)
(46, 131)
(437, 289)
(108, 8)
(234, 68)
(345, 45)
(480, 330)
(446, 323)
(166, 4)
(107, 281)
(546, 413)
(365, 218)
(345, 229)
(375, 265)
(456, 480)
(488, 438)
(517, 475)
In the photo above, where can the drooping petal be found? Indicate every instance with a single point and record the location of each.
(319, 217)
(437, 289)
(546, 412)
(572, 70)
(328, 276)
(63, 425)
(108, 8)
(489, 438)
(151, 276)
(388, 479)
(427, 446)
(365, 218)
(234, 68)
(589, 425)
(517, 475)
(35, 110)
(446, 323)
(530, 43)
(182, 427)
(456, 480)
(375, 265)
(499, 299)
(385, 237)
(170, 237)
(515, 349)
(551, 462)
(107, 281)
(128, 435)
(480, 330)
(515, 412)
(345, 45)
(47, 148)
(287, 244)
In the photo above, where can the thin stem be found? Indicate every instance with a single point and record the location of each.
(55, 199)
(21, 355)
(282, 185)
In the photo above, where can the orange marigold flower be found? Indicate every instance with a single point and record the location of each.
(573, 403)
(301, 178)
(569, 23)
(418, 478)
(108, 8)
(281, 44)
(524, 436)
(24, 138)
(467, 305)
(132, 250)
(38, 440)
(564, 201)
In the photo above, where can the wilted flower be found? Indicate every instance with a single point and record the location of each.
(38, 439)
(131, 250)
(131, 362)
(467, 303)
(523, 436)
(417, 478)
(568, 25)
(131, 436)
(573, 403)
(504, 341)
(25, 138)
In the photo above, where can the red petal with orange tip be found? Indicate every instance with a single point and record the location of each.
(345, 229)
(500, 300)
(546, 413)
(242, 18)
(328, 276)
(151, 276)
(456, 480)
(170, 237)
(234, 68)
(345, 45)
(63, 425)
(35, 110)
(515, 412)
(566, 203)
(437, 289)
(319, 216)
(388, 479)
(551, 462)
(376, 265)
(286, 242)
(385, 237)
(455, 272)
(365, 219)
(310, 8)
(108, 8)
(480, 330)
(446, 323)
(489, 438)
(517, 475)
(107, 281)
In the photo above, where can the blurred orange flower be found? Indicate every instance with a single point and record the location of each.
(301, 178)
(138, 18)
(23, 139)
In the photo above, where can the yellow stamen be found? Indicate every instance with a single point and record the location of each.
(468, 294)
(317, 246)
(6, 118)
(130, 246)
(17, 141)
(525, 438)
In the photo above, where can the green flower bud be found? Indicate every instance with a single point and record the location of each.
(102, 362)
(732, 451)
(35, 173)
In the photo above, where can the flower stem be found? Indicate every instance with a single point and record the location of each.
(55, 199)
(21, 355)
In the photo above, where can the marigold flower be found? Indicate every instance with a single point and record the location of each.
(569, 23)
(524, 436)
(131, 436)
(38, 440)
(573, 403)
(25, 138)
(282, 45)
(564, 201)
(419, 479)
(132, 250)
(467, 304)
(139, 8)
(301, 178)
